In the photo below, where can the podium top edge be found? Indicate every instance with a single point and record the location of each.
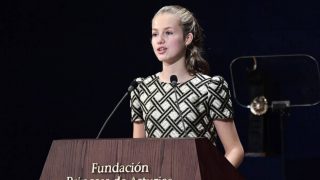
(132, 139)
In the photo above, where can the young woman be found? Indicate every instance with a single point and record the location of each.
(199, 105)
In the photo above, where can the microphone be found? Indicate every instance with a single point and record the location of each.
(174, 83)
(174, 80)
(132, 86)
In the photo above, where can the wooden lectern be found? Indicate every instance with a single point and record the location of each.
(136, 159)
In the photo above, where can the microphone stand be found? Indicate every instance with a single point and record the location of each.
(132, 86)
(174, 83)
(282, 108)
(105, 122)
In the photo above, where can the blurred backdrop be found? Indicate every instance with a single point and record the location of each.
(66, 64)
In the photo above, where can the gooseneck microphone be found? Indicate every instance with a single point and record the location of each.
(174, 83)
(132, 86)
(174, 80)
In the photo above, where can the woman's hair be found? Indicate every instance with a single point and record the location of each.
(194, 61)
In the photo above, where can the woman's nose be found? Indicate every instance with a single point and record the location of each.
(160, 39)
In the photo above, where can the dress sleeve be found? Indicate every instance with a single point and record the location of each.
(135, 105)
(219, 99)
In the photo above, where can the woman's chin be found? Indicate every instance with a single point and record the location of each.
(162, 59)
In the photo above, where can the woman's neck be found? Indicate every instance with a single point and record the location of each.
(178, 68)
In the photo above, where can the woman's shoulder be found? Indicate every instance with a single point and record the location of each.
(211, 79)
(213, 82)
(146, 80)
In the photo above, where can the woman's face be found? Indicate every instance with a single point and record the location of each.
(167, 38)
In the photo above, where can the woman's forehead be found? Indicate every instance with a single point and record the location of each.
(165, 20)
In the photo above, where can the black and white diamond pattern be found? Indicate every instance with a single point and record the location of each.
(200, 100)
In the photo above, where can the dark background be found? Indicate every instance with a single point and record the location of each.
(65, 65)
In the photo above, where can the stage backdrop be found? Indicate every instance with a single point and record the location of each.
(65, 65)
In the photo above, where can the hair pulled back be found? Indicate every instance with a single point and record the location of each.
(195, 63)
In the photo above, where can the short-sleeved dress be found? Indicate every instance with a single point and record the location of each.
(199, 101)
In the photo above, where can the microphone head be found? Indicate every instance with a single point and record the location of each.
(174, 80)
(133, 85)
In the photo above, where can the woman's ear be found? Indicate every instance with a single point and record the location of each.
(188, 39)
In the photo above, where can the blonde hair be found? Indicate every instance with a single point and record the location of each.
(194, 61)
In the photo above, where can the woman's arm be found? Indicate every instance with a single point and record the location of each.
(138, 129)
(228, 135)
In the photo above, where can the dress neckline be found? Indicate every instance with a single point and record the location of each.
(157, 75)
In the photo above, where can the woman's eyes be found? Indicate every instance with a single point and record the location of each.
(166, 33)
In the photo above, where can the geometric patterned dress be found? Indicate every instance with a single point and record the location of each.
(185, 111)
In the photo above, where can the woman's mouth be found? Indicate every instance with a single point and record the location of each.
(161, 50)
